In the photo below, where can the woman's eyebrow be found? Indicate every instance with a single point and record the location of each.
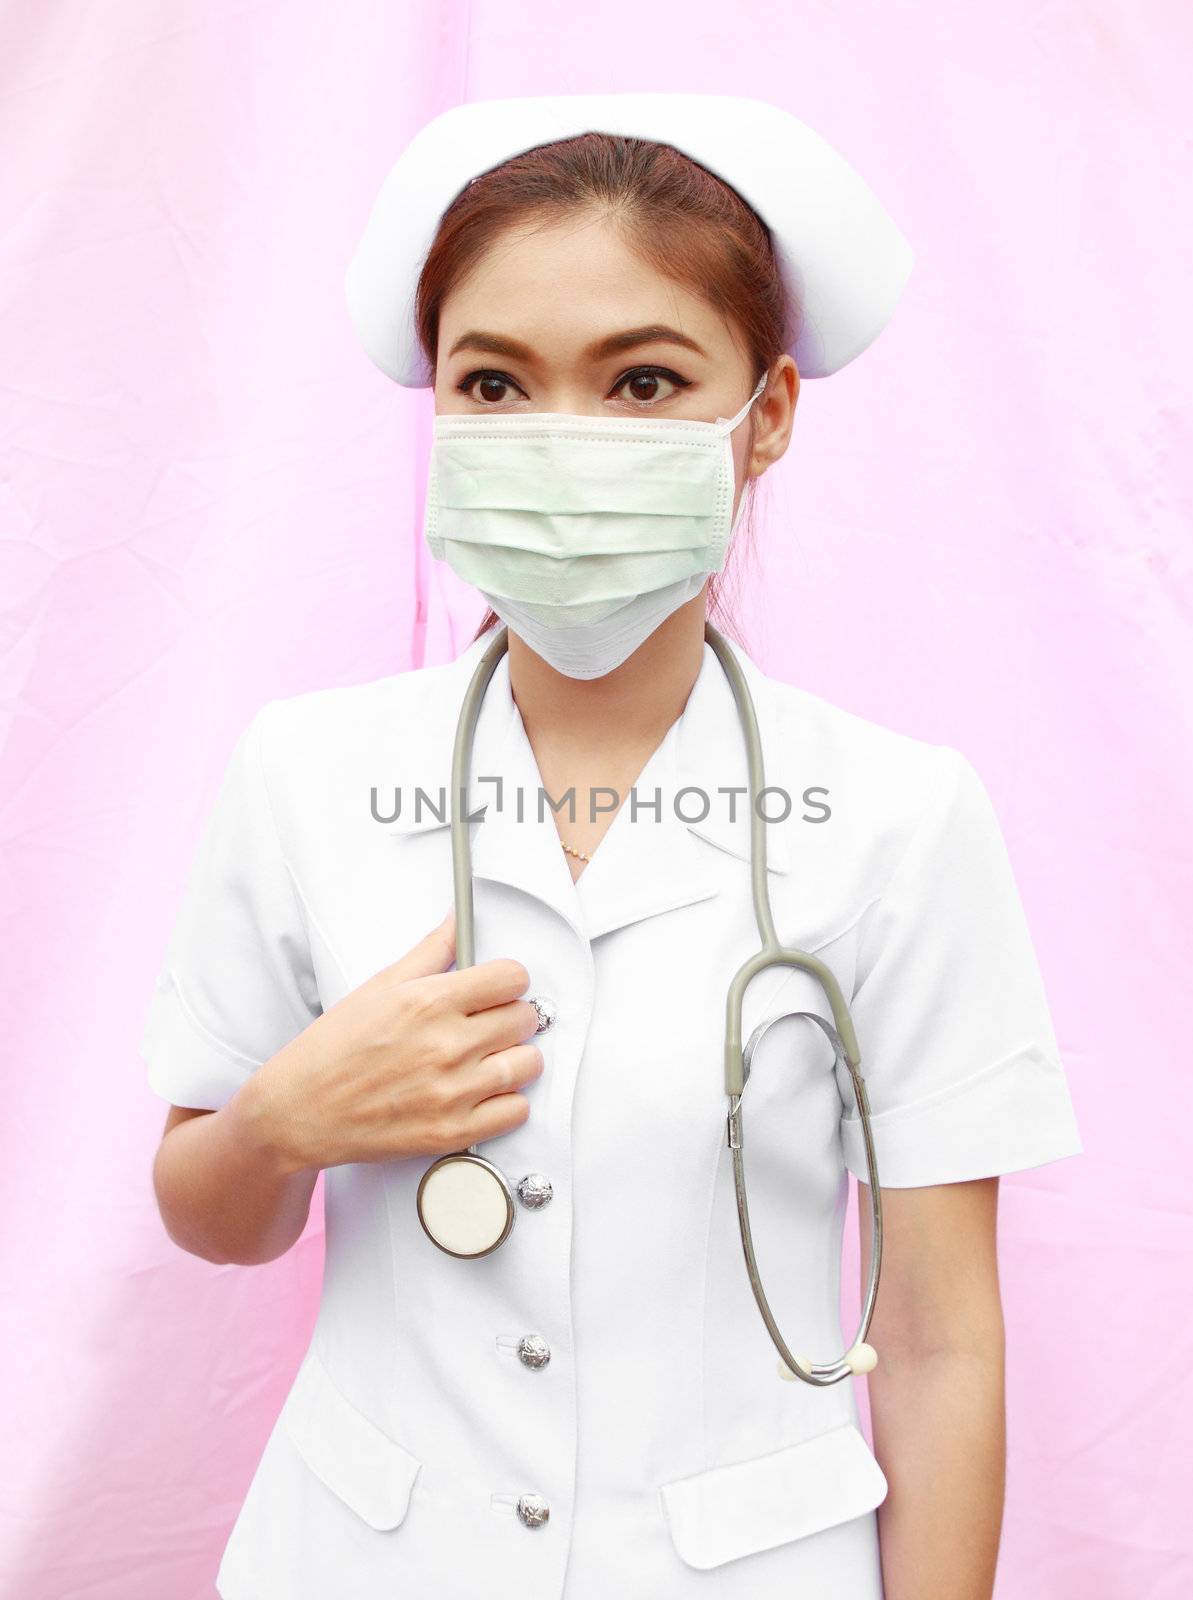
(655, 333)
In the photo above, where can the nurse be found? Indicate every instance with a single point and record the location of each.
(614, 299)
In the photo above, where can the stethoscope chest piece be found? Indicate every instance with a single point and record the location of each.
(465, 1204)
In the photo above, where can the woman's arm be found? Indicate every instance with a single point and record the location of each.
(415, 1061)
(224, 1190)
(937, 1399)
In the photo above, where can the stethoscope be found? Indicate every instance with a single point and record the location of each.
(466, 1203)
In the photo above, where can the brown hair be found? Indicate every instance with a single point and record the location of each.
(677, 215)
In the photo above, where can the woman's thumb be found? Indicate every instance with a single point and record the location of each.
(434, 952)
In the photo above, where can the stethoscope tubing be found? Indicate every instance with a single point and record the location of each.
(737, 1059)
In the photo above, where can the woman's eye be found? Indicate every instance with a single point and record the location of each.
(644, 383)
(484, 384)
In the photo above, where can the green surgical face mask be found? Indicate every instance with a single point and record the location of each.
(583, 533)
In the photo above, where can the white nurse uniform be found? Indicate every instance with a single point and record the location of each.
(609, 1358)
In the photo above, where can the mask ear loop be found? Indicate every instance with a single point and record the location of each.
(727, 425)
(734, 422)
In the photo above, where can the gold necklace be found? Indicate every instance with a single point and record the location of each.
(579, 854)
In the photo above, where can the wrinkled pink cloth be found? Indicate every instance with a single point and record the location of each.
(210, 498)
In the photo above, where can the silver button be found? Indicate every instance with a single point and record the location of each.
(533, 1510)
(535, 1190)
(545, 1009)
(533, 1350)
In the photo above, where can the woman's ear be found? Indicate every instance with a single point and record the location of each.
(776, 416)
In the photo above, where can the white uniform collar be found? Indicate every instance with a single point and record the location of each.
(642, 866)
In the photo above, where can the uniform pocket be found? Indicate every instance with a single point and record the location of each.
(369, 1471)
(753, 1505)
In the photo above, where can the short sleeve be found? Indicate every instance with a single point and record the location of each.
(238, 980)
(961, 1065)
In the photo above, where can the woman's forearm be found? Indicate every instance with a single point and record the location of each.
(225, 1190)
(939, 1424)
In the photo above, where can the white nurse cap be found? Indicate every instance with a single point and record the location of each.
(843, 261)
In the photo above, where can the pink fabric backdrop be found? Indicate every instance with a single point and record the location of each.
(211, 498)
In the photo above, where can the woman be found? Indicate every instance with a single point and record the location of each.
(595, 1406)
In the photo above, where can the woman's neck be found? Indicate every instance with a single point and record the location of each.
(626, 711)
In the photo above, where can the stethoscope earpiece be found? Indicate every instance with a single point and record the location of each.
(861, 1358)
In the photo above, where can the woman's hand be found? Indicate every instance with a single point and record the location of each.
(416, 1061)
